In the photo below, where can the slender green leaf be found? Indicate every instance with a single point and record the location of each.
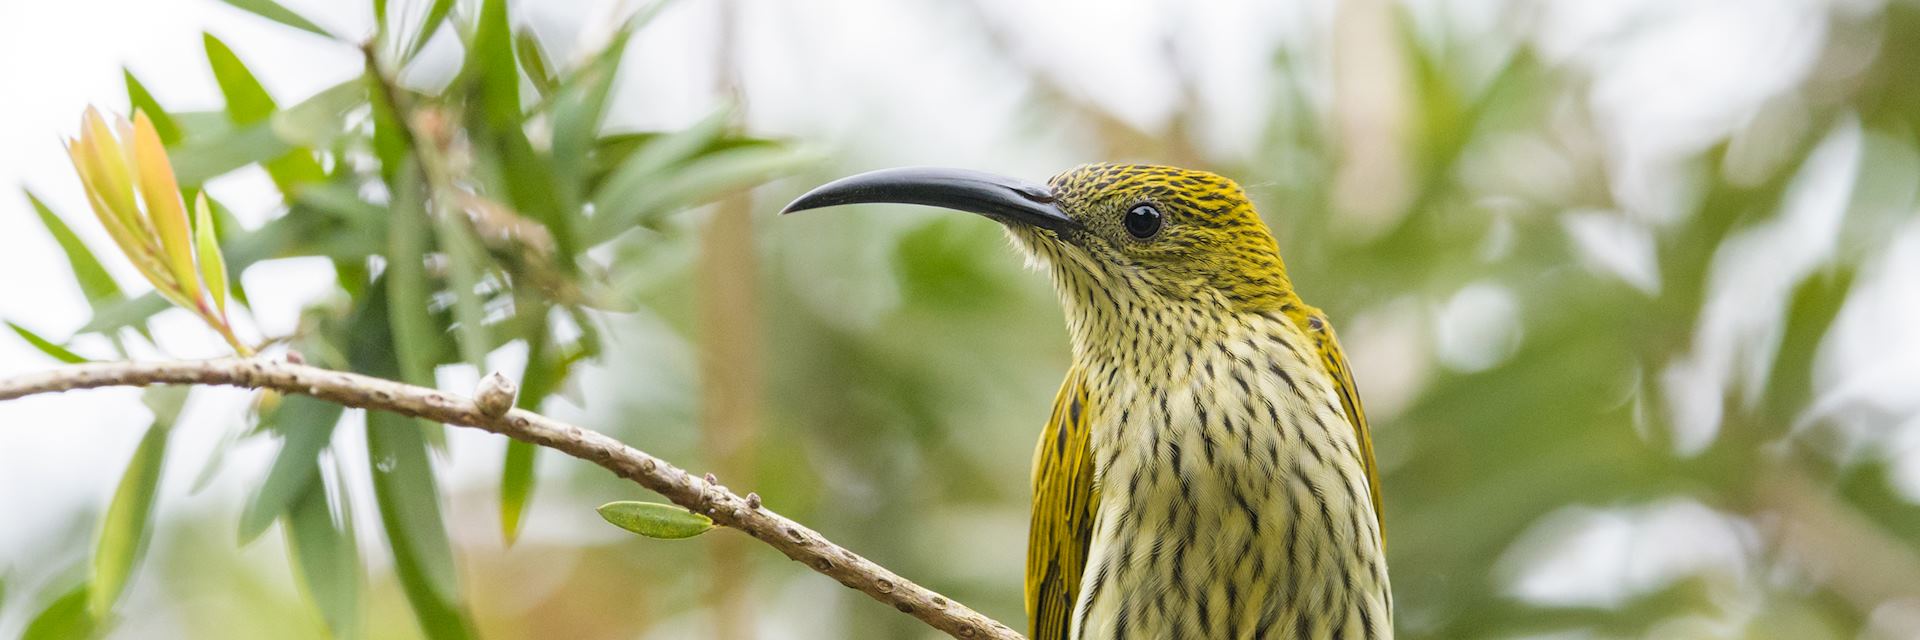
(126, 531)
(466, 261)
(142, 101)
(273, 11)
(407, 277)
(306, 425)
(124, 313)
(408, 496)
(46, 346)
(94, 280)
(206, 247)
(490, 71)
(516, 487)
(66, 618)
(249, 103)
(320, 120)
(205, 158)
(655, 520)
(533, 61)
(325, 555)
(703, 178)
(429, 25)
(405, 488)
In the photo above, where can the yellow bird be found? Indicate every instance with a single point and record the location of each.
(1207, 471)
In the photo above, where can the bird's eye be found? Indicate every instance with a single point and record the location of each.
(1143, 221)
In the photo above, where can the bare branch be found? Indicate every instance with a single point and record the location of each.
(685, 489)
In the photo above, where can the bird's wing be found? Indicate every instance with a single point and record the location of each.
(1063, 511)
(1316, 325)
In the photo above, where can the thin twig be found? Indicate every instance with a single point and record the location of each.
(685, 489)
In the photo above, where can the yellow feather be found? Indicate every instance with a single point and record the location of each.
(1063, 506)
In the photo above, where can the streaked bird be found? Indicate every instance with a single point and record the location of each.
(1207, 471)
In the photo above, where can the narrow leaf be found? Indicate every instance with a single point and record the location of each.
(405, 488)
(141, 101)
(408, 496)
(66, 618)
(164, 209)
(248, 103)
(126, 530)
(46, 346)
(306, 426)
(213, 266)
(407, 277)
(273, 11)
(533, 61)
(466, 263)
(516, 487)
(326, 557)
(209, 157)
(436, 15)
(490, 68)
(94, 280)
(655, 520)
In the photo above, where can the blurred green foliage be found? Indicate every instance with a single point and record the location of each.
(910, 358)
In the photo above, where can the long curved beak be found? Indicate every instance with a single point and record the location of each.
(1002, 199)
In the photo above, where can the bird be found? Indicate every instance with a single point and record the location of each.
(1207, 470)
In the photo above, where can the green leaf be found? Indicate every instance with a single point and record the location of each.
(700, 179)
(320, 120)
(404, 486)
(46, 346)
(126, 530)
(490, 70)
(655, 520)
(516, 487)
(249, 103)
(66, 618)
(306, 425)
(533, 61)
(407, 277)
(206, 247)
(408, 495)
(205, 158)
(466, 263)
(641, 169)
(124, 313)
(142, 101)
(436, 15)
(273, 11)
(94, 280)
(319, 529)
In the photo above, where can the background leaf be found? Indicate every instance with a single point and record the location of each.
(273, 11)
(46, 346)
(126, 530)
(65, 618)
(94, 280)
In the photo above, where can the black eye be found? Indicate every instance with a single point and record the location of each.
(1143, 221)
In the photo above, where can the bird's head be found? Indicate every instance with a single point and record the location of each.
(1124, 238)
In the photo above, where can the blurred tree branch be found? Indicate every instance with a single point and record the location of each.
(493, 412)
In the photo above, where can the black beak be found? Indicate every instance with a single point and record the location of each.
(1005, 200)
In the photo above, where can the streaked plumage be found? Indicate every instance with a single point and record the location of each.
(1207, 471)
(1232, 490)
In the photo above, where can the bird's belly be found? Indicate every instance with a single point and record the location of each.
(1228, 519)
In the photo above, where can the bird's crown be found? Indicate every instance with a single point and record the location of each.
(1176, 229)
